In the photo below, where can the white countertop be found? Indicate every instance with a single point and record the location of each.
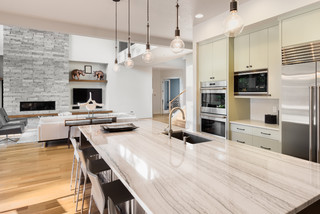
(256, 123)
(220, 176)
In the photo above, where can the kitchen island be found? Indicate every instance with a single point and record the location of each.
(220, 176)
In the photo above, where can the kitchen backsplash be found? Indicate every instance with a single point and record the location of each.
(260, 107)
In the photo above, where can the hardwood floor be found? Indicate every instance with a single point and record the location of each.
(35, 179)
(161, 118)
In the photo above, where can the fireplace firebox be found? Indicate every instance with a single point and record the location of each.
(37, 105)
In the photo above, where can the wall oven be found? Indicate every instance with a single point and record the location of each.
(213, 97)
(251, 82)
(213, 124)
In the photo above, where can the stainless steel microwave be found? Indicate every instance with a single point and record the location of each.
(251, 82)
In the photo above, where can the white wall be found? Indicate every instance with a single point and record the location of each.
(127, 90)
(260, 107)
(88, 49)
(130, 90)
(158, 75)
(191, 87)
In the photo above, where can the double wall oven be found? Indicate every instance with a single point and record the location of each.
(213, 107)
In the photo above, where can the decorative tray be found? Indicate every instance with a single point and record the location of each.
(119, 127)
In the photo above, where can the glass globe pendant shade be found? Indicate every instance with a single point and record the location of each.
(147, 56)
(177, 45)
(116, 67)
(129, 63)
(233, 24)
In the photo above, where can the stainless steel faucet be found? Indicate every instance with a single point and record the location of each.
(170, 117)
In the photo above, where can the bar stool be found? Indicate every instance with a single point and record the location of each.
(111, 194)
(98, 166)
(90, 152)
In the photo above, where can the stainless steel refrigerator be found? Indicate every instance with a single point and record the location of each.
(300, 101)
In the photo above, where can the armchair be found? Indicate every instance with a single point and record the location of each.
(10, 128)
(12, 120)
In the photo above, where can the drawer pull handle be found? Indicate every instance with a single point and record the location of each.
(265, 148)
(265, 133)
(241, 129)
(240, 141)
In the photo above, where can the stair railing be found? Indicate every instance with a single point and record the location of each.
(175, 102)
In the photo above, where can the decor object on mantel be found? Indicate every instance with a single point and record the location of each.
(76, 73)
(116, 66)
(99, 75)
(90, 105)
(233, 23)
(102, 81)
(177, 45)
(88, 69)
(129, 63)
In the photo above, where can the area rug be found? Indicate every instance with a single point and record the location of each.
(29, 136)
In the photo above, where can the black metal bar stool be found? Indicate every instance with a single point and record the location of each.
(112, 194)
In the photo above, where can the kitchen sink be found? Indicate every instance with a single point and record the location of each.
(190, 138)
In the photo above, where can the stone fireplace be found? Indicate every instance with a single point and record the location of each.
(35, 70)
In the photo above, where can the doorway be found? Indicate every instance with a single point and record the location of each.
(170, 89)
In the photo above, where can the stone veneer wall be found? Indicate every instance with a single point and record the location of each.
(35, 68)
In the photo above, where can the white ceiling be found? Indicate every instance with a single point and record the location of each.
(99, 14)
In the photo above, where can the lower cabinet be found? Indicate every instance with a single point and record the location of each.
(255, 136)
(267, 144)
(241, 138)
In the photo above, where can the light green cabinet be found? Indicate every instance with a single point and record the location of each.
(251, 51)
(266, 143)
(219, 59)
(259, 49)
(300, 29)
(241, 53)
(274, 63)
(241, 138)
(212, 59)
(262, 138)
(205, 56)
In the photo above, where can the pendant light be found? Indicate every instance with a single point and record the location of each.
(177, 45)
(147, 57)
(116, 66)
(233, 23)
(129, 62)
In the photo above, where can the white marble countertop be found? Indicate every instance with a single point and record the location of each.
(220, 176)
(256, 123)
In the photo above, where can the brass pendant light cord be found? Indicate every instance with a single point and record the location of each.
(129, 34)
(116, 32)
(148, 26)
(177, 15)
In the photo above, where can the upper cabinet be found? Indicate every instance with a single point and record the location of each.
(251, 51)
(212, 59)
(300, 29)
(274, 62)
(89, 49)
(205, 62)
(219, 60)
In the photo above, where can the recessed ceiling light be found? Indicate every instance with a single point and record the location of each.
(199, 16)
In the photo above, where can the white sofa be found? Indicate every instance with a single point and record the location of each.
(53, 128)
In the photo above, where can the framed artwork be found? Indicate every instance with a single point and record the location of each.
(88, 69)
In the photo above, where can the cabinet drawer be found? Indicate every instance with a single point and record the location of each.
(266, 133)
(267, 144)
(241, 128)
(241, 138)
